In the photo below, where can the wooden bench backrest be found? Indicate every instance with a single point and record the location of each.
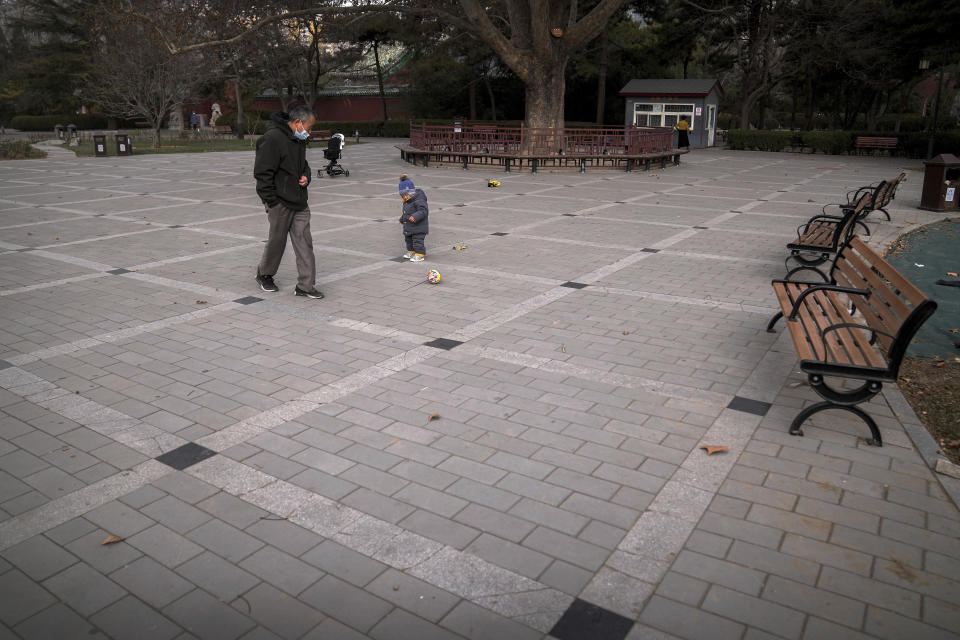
(875, 141)
(891, 192)
(895, 306)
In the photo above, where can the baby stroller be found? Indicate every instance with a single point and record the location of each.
(332, 153)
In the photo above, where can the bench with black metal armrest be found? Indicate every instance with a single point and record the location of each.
(222, 130)
(856, 327)
(876, 194)
(880, 199)
(821, 237)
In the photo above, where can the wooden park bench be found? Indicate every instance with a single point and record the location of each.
(142, 124)
(856, 327)
(320, 135)
(222, 130)
(884, 192)
(821, 237)
(871, 144)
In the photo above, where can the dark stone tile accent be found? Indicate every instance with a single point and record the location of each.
(379, 220)
(571, 215)
(176, 226)
(585, 621)
(186, 456)
(5, 365)
(574, 285)
(248, 300)
(25, 249)
(443, 343)
(500, 233)
(397, 259)
(117, 272)
(648, 250)
(756, 407)
(697, 227)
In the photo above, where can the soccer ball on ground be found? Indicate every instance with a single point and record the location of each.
(433, 276)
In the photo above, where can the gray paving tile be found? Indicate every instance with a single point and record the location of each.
(284, 535)
(118, 519)
(130, 618)
(151, 582)
(400, 625)
(344, 563)
(175, 514)
(57, 621)
(281, 570)
(224, 540)
(23, 597)
(275, 610)
(206, 617)
(84, 589)
(223, 579)
(38, 557)
(231, 509)
(348, 604)
(478, 623)
(103, 558)
(412, 595)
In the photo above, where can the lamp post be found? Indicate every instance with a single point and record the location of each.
(924, 65)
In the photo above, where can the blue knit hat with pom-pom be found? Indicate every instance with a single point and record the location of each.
(406, 186)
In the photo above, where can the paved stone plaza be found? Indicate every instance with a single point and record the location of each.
(596, 331)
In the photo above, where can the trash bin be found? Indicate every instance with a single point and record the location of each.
(124, 148)
(100, 145)
(58, 129)
(941, 183)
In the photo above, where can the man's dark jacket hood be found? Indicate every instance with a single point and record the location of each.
(281, 161)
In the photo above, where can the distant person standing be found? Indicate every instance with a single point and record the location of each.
(282, 175)
(194, 121)
(683, 129)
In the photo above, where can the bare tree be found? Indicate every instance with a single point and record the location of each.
(134, 75)
(534, 38)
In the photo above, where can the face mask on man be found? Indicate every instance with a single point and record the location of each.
(302, 134)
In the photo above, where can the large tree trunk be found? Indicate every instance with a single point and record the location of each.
(156, 136)
(472, 97)
(544, 109)
(383, 96)
(602, 74)
(493, 102)
(239, 96)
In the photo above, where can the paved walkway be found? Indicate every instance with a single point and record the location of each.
(272, 468)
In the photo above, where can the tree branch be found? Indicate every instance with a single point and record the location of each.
(590, 25)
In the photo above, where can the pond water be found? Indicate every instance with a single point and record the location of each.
(925, 256)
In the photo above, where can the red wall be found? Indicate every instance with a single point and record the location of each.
(356, 108)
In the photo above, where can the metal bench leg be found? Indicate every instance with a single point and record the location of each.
(583, 165)
(629, 165)
(464, 163)
(533, 165)
(426, 160)
(795, 429)
(846, 400)
(676, 159)
(806, 268)
(663, 162)
(773, 321)
(646, 165)
(506, 165)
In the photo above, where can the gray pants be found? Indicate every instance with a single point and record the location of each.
(284, 221)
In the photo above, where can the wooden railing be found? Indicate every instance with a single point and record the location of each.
(575, 141)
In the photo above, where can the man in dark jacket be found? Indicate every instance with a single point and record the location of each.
(282, 175)
(413, 217)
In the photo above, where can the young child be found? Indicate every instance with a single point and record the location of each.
(413, 219)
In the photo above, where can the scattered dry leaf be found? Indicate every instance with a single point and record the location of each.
(433, 416)
(112, 540)
(626, 333)
(712, 449)
(201, 302)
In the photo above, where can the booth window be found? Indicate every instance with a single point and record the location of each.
(661, 114)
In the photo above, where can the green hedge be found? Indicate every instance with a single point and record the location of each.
(19, 150)
(913, 144)
(82, 121)
(759, 139)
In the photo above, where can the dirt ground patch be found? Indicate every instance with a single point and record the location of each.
(932, 387)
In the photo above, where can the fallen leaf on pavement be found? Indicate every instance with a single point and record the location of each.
(201, 302)
(433, 416)
(112, 540)
(712, 449)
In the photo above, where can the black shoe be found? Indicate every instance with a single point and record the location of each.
(310, 294)
(266, 283)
